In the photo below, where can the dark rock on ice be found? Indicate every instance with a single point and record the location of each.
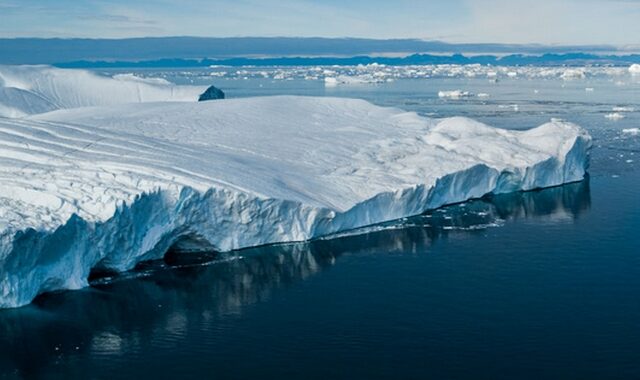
(212, 93)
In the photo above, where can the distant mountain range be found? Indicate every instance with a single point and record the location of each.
(200, 51)
(569, 59)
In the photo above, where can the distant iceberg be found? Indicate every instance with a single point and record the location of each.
(108, 187)
(28, 90)
(634, 69)
(614, 116)
(454, 94)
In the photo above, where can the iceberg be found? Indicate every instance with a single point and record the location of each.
(634, 69)
(28, 90)
(110, 186)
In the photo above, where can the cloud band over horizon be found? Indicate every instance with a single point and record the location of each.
(611, 22)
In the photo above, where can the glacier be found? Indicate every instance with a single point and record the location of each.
(109, 186)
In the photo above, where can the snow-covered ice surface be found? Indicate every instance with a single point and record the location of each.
(108, 187)
(27, 90)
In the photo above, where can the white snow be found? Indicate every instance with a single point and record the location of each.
(114, 185)
(27, 90)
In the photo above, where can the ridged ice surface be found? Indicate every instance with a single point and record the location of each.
(29, 90)
(109, 187)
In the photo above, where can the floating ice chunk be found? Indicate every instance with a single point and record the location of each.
(573, 74)
(622, 109)
(454, 94)
(330, 81)
(614, 116)
(514, 107)
(483, 95)
(631, 131)
(347, 80)
(109, 187)
(634, 69)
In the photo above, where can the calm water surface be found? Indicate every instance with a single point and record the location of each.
(531, 285)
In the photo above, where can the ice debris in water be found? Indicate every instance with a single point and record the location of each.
(614, 116)
(622, 109)
(573, 74)
(454, 94)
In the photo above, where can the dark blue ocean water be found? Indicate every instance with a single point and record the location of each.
(534, 285)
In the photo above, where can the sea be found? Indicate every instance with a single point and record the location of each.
(531, 285)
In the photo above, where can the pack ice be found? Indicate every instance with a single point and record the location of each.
(108, 187)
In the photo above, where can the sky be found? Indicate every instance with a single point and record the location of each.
(555, 22)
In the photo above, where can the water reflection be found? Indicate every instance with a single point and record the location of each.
(126, 317)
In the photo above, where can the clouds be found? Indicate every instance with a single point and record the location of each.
(506, 21)
(553, 22)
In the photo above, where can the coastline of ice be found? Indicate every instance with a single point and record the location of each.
(108, 187)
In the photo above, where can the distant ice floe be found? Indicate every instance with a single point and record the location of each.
(573, 74)
(614, 116)
(347, 80)
(513, 107)
(622, 109)
(618, 112)
(109, 187)
(634, 69)
(459, 94)
(454, 94)
(631, 131)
